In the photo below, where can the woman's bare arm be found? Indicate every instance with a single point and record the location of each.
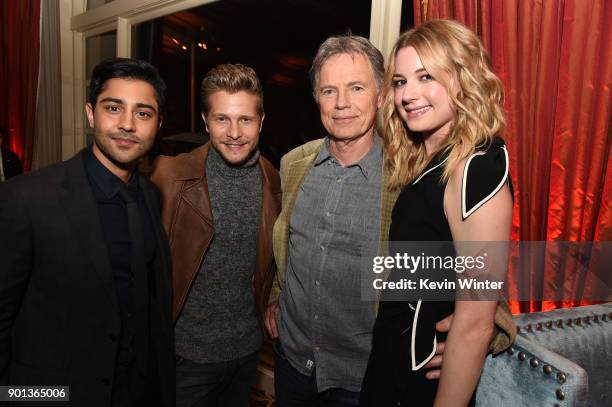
(473, 323)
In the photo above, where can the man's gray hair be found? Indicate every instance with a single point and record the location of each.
(346, 44)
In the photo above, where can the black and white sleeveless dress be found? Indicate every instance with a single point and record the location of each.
(404, 337)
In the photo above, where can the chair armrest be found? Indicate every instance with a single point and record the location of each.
(530, 375)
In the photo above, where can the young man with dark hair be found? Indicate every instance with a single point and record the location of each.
(85, 294)
(10, 164)
(219, 205)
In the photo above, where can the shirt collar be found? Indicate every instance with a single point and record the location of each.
(369, 163)
(108, 182)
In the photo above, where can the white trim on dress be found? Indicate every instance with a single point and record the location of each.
(428, 171)
(414, 329)
(465, 213)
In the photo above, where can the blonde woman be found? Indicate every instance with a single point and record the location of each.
(442, 119)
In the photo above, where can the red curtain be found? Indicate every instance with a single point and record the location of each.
(555, 62)
(19, 50)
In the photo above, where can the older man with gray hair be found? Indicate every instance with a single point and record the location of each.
(336, 206)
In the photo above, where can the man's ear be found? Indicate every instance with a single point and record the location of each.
(263, 116)
(379, 100)
(205, 124)
(89, 112)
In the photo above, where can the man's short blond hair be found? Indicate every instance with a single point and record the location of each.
(231, 78)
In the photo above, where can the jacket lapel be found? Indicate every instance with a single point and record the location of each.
(83, 217)
(196, 197)
(292, 179)
(191, 225)
(264, 258)
(152, 202)
(195, 194)
(295, 177)
(271, 193)
(271, 198)
(388, 197)
(162, 259)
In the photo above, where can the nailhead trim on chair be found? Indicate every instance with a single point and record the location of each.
(560, 323)
(560, 394)
(546, 370)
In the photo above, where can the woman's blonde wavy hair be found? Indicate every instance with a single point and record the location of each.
(456, 58)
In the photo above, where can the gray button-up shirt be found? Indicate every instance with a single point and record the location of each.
(324, 323)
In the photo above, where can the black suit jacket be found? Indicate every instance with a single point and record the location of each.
(11, 165)
(59, 312)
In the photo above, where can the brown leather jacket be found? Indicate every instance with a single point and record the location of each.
(187, 218)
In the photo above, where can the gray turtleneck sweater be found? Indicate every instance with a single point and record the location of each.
(218, 321)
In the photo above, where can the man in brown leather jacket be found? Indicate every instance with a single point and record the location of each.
(219, 204)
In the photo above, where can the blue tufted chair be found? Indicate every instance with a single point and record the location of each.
(560, 358)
